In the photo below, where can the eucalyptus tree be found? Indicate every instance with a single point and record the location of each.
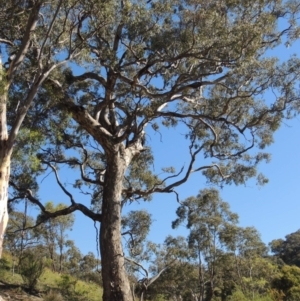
(202, 66)
(212, 227)
(147, 258)
(20, 235)
(53, 232)
(287, 249)
(160, 259)
(253, 269)
(89, 268)
(179, 280)
(73, 259)
(135, 228)
(38, 36)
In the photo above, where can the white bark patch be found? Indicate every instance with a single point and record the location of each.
(4, 176)
(132, 151)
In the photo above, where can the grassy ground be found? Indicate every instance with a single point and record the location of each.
(54, 283)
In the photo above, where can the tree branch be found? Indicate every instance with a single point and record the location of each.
(30, 27)
(27, 193)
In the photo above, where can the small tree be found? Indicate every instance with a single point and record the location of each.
(31, 268)
(54, 234)
(20, 236)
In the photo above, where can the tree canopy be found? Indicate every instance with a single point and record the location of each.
(90, 81)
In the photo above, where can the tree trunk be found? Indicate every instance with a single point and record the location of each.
(5, 154)
(116, 286)
(4, 177)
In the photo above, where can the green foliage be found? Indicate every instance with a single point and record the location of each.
(19, 234)
(211, 223)
(140, 176)
(4, 264)
(31, 268)
(238, 295)
(53, 232)
(202, 67)
(67, 286)
(136, 226)
(288, 282)
(4, 267)
(3, 81)
(67, 283)
(288, 250)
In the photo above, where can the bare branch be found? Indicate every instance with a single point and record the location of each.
(30, 27)
(59, 182)
(10, 43)
(49, 31)
(87, 75)
(27, 193)
(138, 264)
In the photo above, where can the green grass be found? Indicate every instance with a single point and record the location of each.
(55, 282)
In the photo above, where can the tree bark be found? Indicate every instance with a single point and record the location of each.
(5, 155)
(116, 286)
(4, 178)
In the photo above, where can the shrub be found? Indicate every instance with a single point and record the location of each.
(31, 268)
(53, 296)
(4, 264)
(67, 285)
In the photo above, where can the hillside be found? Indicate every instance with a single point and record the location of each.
(50, 287)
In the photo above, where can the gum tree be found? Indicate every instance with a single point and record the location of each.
(202, 66)
(211, 227)
(38, 36)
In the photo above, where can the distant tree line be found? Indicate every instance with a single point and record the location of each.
(49, 241)
(217, 261)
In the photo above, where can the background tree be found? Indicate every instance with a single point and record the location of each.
(89, 268)
(156, 66)
(20, 235)
(248, 250)
(135, 228)
(31, 268)
(180, 280)
(73, 258)
(210, 223)
(287, 249)
(288, 282)
(54, 234)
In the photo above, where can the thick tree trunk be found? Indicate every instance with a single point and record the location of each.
(116, 286)
(5, 154)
